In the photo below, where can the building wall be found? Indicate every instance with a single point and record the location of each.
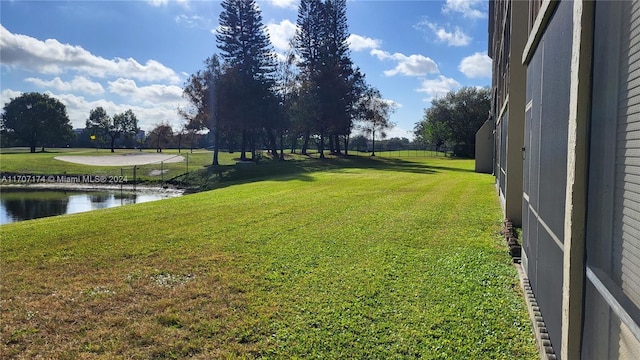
(580, 195)
(484, 148)
(612, 293)
(507, 41)
(547, 118)
(498, 51)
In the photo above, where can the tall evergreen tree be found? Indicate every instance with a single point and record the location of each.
(246, 50)
(307, 43)
(243, 40)
(308, 38)
(321, 44)
(340, 76)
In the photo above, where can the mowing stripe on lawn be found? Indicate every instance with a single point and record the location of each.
(377, 258)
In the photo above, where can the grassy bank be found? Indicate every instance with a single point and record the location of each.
(371, 258)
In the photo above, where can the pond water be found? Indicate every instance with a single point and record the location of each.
(32, 204)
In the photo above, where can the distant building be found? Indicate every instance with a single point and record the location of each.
(566, 110)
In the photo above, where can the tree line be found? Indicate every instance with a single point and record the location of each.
(453, 120)
(39, 120)
(35, 119)
(247, 98)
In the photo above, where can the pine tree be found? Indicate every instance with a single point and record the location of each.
(308, 38)
(321, 43)
(307, 43)
(247, 52)
(243, 40)
(341, 78)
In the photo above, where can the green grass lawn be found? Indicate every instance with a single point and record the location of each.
(339, 259)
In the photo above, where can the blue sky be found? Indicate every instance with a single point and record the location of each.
(138, 54)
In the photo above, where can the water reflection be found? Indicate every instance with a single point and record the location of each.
(99, 198)
(33, 205)
(25, 205)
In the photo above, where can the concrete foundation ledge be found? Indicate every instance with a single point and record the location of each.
(539, 327)
(543, 341)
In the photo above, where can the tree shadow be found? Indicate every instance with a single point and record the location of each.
(216, 177)
(402, 165)
(12, 151)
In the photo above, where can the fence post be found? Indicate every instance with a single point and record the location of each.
(162, 172)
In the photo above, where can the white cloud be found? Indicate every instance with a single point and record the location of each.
(397, 132)
(7, 94)
(123, 87)
(392, 103)
(148, 114)
(471, 9)
(79, 83)
(194, 21)
(78, 80)
(359, 43)
(152, 95)
(438, 87)
(52, 57)
(78, 109)
(477, 65)
(284, 3)
(158, 3)
(281, 33)
(412, 65)
(455, 38)
(394, 132)
(217, 30)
